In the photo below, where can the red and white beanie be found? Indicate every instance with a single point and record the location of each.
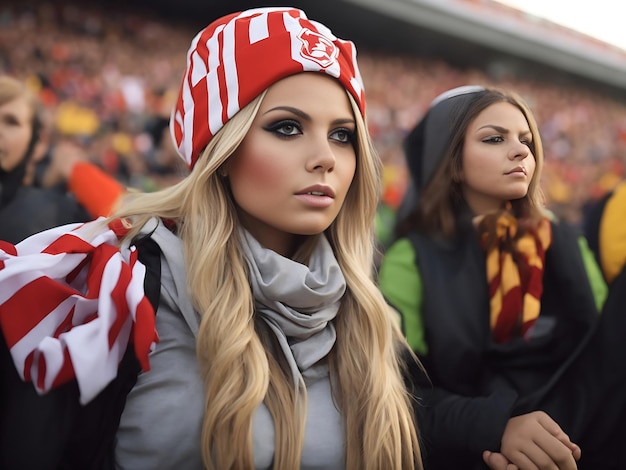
(235, 58)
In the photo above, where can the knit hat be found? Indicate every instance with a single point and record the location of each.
(236, 57)
(426, 143)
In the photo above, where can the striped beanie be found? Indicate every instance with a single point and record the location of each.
(235, 58)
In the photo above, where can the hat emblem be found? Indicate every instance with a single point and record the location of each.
(317, 48)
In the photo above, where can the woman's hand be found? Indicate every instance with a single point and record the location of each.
(534, 441)
(497, 461)
(65, 154)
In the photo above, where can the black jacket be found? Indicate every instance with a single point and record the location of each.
(56, 432)
(475, 384)
(32, 210)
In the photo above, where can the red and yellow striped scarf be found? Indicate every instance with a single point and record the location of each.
(515, 263)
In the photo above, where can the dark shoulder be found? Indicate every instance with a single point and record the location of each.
(565, 231)
(36, 209)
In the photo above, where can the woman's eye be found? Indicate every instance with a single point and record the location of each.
(11, 121)
(285, 128)
(344, 136)
(493, 139)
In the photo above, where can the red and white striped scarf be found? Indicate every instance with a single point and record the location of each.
(70, 302)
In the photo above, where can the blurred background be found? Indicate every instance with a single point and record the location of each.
(108, 71)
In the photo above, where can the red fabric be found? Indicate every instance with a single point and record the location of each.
(236, 57)
(71, 300)
(95, 190)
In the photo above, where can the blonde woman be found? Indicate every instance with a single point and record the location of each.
(275, 349)
(24, 208)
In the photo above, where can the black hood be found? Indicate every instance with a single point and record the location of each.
(425, 145)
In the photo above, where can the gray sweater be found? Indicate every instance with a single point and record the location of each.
(160, 427)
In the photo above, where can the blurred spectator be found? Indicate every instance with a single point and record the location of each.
(605, 230)
(24, 208)
(118, 69)
(68, 169)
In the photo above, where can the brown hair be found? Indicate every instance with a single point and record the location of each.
(440, 200)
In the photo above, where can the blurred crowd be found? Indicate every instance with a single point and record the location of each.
(107, 79)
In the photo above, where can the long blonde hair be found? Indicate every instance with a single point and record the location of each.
(238, 360)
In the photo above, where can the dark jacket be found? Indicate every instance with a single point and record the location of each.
(476, 385)
(56, 432)
(33, 210)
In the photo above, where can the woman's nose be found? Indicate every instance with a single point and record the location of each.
(322, 156)
(519, 150)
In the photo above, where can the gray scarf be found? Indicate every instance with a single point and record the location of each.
(297, 302)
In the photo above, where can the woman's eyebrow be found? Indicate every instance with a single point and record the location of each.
(503, 130)
(306, 116)
(296, 111)
(494, 127)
